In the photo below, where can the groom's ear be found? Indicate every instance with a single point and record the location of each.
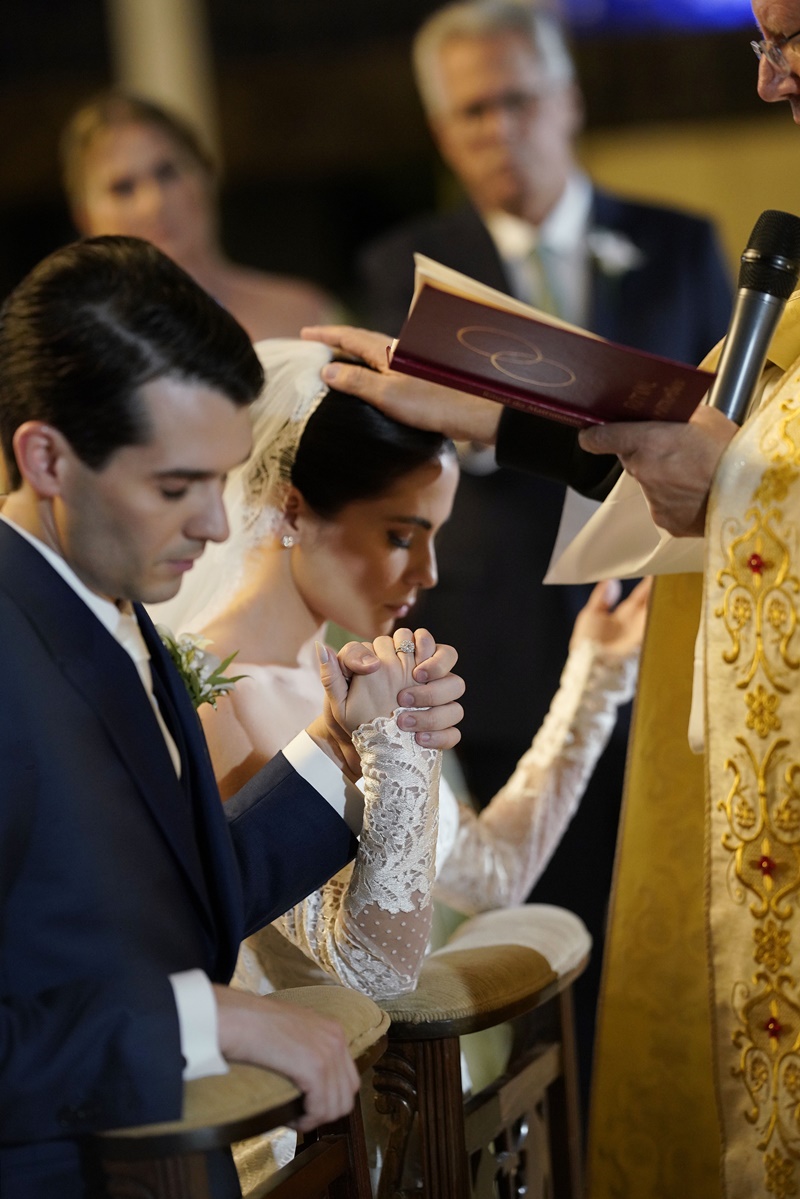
(41, 451)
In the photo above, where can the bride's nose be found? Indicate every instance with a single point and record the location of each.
(423, 570)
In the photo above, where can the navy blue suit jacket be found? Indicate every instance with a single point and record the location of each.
(115, 873)
(510, 630)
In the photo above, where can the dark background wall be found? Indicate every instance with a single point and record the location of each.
(324, 139)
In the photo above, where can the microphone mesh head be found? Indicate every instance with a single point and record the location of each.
(771, 262)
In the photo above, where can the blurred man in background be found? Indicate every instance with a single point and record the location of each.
(499, 89)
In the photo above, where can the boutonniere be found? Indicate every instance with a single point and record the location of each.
(202, 672)
(614, 253)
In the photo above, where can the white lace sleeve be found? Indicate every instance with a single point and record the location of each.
(369, 926)
(497, 856)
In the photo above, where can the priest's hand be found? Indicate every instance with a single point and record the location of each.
(404, 398)
(674, 464)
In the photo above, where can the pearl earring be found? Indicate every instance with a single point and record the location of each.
(287, 541)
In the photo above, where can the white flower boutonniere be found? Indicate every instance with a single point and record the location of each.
(202, 672)
(614, 253)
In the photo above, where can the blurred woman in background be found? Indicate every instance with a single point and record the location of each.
(131, 167)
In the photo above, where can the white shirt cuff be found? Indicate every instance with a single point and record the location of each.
(321, 773)
(198, 1024)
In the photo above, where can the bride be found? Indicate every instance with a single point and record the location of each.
(334, 518)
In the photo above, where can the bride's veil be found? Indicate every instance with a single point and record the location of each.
(255, 492)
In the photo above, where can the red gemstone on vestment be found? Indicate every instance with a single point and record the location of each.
(767, 866)
(756, 564)
(773, 1026)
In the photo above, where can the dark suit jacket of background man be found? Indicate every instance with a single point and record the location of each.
(511, 631)
(114, 874)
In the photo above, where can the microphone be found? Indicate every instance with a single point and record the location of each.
(767, 277)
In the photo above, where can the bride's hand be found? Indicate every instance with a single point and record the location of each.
(618, 627)
(433, 696)
(423, 682)
(375, 694)
(431, 693)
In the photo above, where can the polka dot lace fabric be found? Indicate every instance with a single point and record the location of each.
(370, 925)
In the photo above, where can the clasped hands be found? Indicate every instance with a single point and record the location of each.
(370, 679)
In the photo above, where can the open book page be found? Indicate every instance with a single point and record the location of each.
(435, 274)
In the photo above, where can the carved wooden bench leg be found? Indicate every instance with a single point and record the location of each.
(418, 1085)
(566, 1150)
(441, 1109)
(394, 1083)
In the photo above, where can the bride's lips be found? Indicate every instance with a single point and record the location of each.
(398, 611)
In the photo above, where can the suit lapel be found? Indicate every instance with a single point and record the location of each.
(103, 673)
(604, 305)
(210, 826)
(465, 244)
(613, 298)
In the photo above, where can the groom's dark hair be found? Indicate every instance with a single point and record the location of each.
(93, 323)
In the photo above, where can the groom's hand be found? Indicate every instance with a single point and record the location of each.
(332, 731)
(310, 1049)
(421, 680)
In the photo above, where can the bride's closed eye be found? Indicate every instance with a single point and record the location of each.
(399, 540)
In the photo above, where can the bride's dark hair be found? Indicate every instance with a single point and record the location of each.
(351, 451)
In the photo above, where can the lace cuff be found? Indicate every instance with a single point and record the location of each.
(369, 927)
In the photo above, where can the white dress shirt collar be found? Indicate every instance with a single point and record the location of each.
(104, 609)
(563, 229)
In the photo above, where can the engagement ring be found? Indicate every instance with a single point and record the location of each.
(406, 647)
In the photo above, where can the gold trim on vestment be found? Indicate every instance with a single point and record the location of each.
(753, 763)
(654, 1131)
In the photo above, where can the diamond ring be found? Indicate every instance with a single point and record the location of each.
(406, 647)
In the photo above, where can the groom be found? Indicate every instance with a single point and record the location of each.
(124, 393)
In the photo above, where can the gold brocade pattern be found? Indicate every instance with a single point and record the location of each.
(754, 781)
(686, 930)
(653, 1130)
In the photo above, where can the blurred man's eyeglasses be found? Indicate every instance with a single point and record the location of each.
(773, 52)
(512, 103)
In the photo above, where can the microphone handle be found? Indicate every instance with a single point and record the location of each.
(744, 353)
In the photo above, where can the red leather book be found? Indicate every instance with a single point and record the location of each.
(468, 336)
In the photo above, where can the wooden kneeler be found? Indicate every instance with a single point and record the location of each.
(520, 1135)
(169, 1161)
